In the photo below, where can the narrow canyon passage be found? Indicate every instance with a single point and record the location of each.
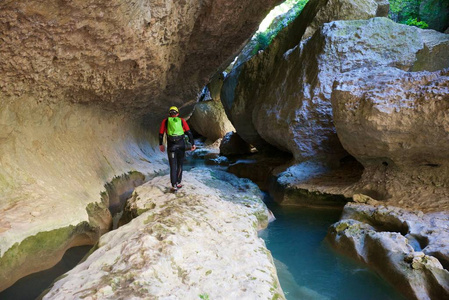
(339, 105)
(307, 266)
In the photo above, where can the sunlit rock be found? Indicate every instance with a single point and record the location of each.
(295, 112)
(400, 245)
(396, 124)
(200, 242)
(209, 117)
(345, 10)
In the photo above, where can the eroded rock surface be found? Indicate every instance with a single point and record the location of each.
(281, 96)
(201, 241)
(209, 117)
(130, 55)
(83, 86)
(396, 124)
(410, 249)
(301, 120)
(55, 161)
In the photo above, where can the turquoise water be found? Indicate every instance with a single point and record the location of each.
(307, 266)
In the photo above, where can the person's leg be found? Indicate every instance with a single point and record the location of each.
(172, 160)
(180, 154)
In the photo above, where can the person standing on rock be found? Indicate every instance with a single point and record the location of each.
(175, 128)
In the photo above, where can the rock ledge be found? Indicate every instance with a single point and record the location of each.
(201, 241)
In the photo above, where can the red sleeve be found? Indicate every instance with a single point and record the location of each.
(185, 126)
(163, 128)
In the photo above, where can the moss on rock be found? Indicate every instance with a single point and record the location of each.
(42, 251)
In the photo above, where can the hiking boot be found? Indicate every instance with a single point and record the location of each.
(174, 188)
(179, 185)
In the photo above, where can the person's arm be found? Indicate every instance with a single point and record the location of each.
(187, 131)
(161, 134)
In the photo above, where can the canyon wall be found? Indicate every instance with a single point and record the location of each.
(83, 87)
(287, 95)
(364, 88)
(281, 95)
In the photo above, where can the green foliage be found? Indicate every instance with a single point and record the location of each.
(264, 38)
(406, 12)
(204, 296)
(415, 22)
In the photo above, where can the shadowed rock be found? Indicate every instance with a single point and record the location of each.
(233, 144)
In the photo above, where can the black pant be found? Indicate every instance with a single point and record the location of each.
(176, 153)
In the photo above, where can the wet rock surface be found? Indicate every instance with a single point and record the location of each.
(409, 249)
(200, 242)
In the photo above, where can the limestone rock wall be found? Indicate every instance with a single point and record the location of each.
(83, 87)
(55, 161)
(407, 248)
(128, 55)
(293, 107)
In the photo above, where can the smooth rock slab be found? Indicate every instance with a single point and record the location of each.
(201, 241)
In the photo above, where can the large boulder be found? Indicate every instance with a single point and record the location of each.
(294, 111)
(210, 120)
(209, 117)
(409, 249)
(396, 124)
(281, 95)
(199, 243)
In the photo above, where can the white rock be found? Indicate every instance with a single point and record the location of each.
(200, 241)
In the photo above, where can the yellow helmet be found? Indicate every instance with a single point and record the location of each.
(173, 108)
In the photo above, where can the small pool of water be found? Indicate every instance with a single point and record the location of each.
(307, 266)
(31, 286)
